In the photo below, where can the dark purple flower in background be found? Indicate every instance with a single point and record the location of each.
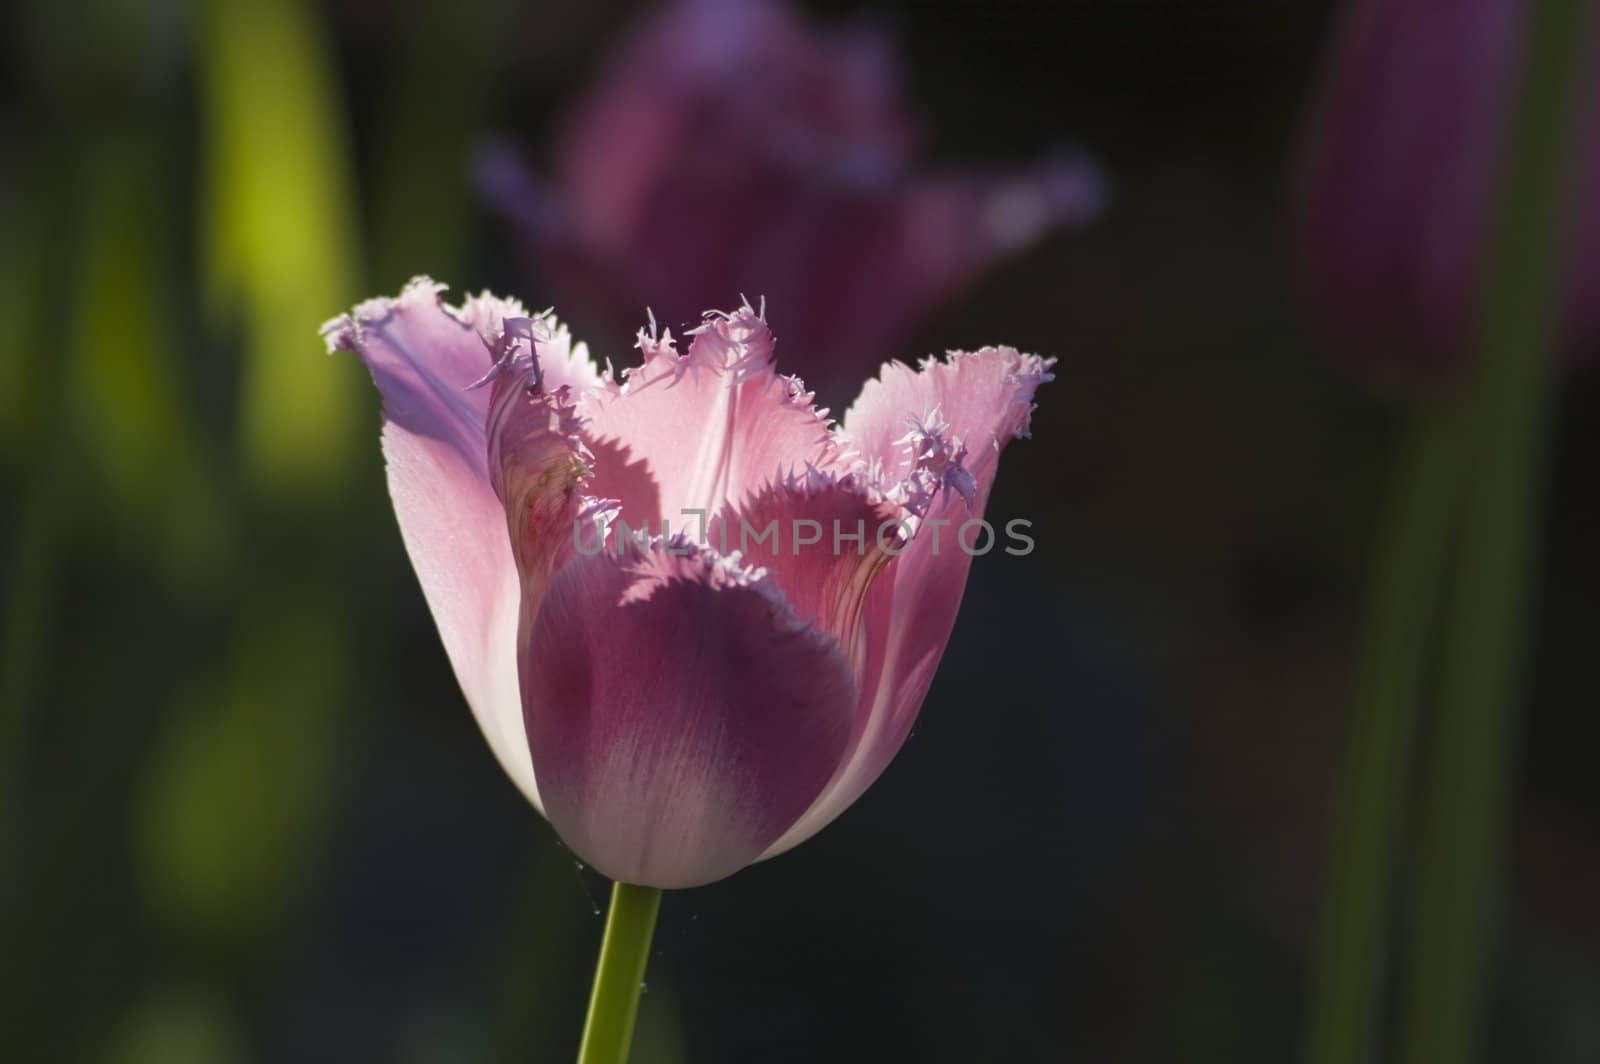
(729, 147)
(1397, 174)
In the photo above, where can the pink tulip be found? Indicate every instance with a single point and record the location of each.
(1395, 188)
(677, 708)
(729, 147)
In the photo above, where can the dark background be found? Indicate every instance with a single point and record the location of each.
(248, 815)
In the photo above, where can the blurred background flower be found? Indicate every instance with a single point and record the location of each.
(1396, 182)
(728, 146)
(243, 814)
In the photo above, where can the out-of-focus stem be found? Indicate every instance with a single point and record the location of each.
(1485, 638)
(1402, 600)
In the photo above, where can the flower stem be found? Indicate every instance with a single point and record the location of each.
(1468, 786)
(1403, 599)
(619, 974)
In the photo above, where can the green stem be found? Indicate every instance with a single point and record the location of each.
(619, 975)
(1402, 601)
(1467, 790)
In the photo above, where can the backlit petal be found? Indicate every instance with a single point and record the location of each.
(823, 540)
(932, 438)
(681, 716)
(424, 355)
(698, 430)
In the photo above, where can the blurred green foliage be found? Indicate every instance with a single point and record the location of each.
(280, 234)
(177, 1028)
(107, 426)
(222, 838)
(432, 102)
(126, 387)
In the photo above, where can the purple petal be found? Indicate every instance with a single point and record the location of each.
(830, 541)
(539, 466)
(922, 436)
(681, 716)
(697, 430)
(424, 356)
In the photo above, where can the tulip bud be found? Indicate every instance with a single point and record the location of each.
(1397, 176)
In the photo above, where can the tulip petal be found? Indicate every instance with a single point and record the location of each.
(823, 540)
(424, 356)
(698, 430)
(681, 716)
(539, 464)
(932, 439)
(983, 399)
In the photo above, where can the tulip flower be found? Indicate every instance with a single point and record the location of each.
(1397, 180)
(678, 700)
(729, 147)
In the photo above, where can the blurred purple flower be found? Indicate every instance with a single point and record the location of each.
(728, 147)
(1394, 190)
